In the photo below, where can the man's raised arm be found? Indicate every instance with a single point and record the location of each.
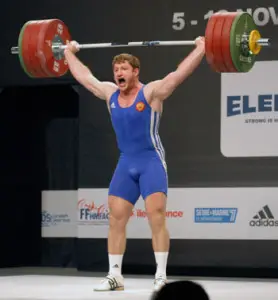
(101, 89)
(162, 89)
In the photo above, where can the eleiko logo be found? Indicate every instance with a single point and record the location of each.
(240, 104)
(264, 218)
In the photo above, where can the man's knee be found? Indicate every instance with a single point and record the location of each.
(156, 218)
(156, 211)
(119, 212)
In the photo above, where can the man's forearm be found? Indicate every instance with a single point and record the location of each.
(189, 64)
(77, 68)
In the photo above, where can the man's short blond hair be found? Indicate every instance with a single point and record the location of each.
(131, 59)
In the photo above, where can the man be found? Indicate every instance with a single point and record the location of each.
(135, 111)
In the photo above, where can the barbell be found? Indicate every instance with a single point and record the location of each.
(232, 43)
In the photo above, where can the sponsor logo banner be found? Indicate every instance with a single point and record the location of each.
(58, 216)
(249, 112)
(215, 215)
(195, 213)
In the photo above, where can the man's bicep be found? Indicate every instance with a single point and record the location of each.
(101, 89)
(108, 85)
(163, 88)
(150, 88)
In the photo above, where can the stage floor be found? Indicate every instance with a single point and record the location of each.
(80, 287)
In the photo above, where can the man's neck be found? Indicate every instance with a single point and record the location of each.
(132, 91)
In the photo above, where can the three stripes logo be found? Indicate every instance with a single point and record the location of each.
(264, 218)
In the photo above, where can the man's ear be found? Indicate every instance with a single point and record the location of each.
(136, 71)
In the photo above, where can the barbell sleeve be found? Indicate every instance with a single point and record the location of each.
(15, 50)
(263, 42)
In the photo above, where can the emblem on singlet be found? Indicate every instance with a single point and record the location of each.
(140, 106)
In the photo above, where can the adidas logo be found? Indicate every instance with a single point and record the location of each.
(113, 105)
(264, 218)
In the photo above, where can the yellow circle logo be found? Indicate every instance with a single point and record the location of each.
(140, 106)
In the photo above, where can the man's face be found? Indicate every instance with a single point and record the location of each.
(124, 75)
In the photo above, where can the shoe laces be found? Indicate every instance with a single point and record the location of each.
(111, 281)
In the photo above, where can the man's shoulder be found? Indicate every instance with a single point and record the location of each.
(149, 89)
(112, 91)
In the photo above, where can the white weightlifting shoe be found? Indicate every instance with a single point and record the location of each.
(159, 282)
(111, 283)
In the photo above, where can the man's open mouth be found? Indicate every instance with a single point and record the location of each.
(121, 80)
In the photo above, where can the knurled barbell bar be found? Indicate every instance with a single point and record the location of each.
(232, 43)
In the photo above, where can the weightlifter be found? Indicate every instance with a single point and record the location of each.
(136, 110)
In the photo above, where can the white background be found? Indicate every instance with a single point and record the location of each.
(239, 139)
